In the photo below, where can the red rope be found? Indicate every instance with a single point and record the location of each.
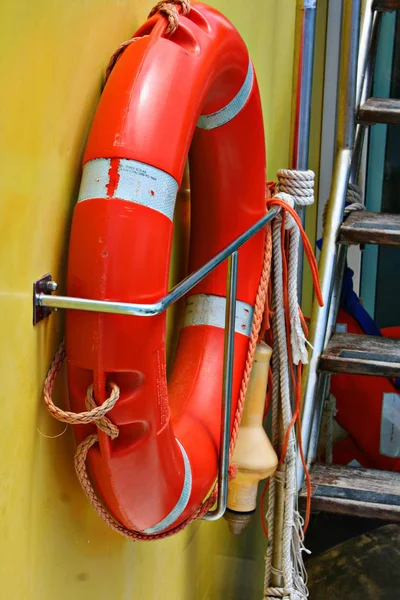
(295, 376)
(307, 246)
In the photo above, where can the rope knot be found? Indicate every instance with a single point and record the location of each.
(354, 202)
(95, 414)
(299, 184)
(166, 8)
(171, 12)
(288, 198)
(103, 422)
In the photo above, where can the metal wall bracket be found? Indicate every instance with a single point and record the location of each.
(44, 303)
(44, 285)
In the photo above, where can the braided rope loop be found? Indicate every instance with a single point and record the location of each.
(295, 189)
(96, 413)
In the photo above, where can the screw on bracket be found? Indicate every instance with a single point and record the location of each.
(51, 286)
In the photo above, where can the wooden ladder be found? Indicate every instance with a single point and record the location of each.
(342, 489)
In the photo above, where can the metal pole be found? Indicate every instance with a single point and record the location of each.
(301, 107)
(277, 556)
(341, 174)
(302, 88)
(227, 379)
(348, 73)
(319, 316)
(368, 45)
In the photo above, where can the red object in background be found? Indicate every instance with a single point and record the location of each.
(120, 250)
(359, 401)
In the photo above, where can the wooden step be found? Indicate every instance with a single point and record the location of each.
(363, 227)
(386, 5)
(380, 110)
(354, 491)
(361, 355)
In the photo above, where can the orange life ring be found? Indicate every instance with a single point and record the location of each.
(192, 92)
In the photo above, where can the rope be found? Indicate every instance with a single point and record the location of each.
(296, 188)
(354, 195)
(117, 55)
(167, 9)
(353, 199)
(275, 592)
(259, 309)
(82, 450)
(289, 346)
(299, 184)
(97, 414)
(283, 383)
(297, 336)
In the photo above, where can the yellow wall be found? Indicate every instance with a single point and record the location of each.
(52, 545)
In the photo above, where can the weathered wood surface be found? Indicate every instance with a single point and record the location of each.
(386, 5)
(359, 492)
(380, 110)
(361, 355)
(363, 568)
(363, 227)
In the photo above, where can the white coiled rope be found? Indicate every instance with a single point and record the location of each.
(299, 184)
(296, 188)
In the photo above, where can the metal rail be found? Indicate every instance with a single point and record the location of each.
(229, 342)
(44, 302)
(149, 310)
(302, 88)
(301, 107)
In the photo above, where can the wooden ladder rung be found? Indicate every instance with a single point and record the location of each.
(361, 355)
(363, 227)
(386, 5)
(354, 491)
(380, 110)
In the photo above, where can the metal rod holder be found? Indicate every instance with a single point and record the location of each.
(44, 303)
(42, 292)
(229, 347)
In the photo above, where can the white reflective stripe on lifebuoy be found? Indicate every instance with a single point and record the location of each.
(131, 180)
(205, 309)
(183, 500)
(229, 112)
